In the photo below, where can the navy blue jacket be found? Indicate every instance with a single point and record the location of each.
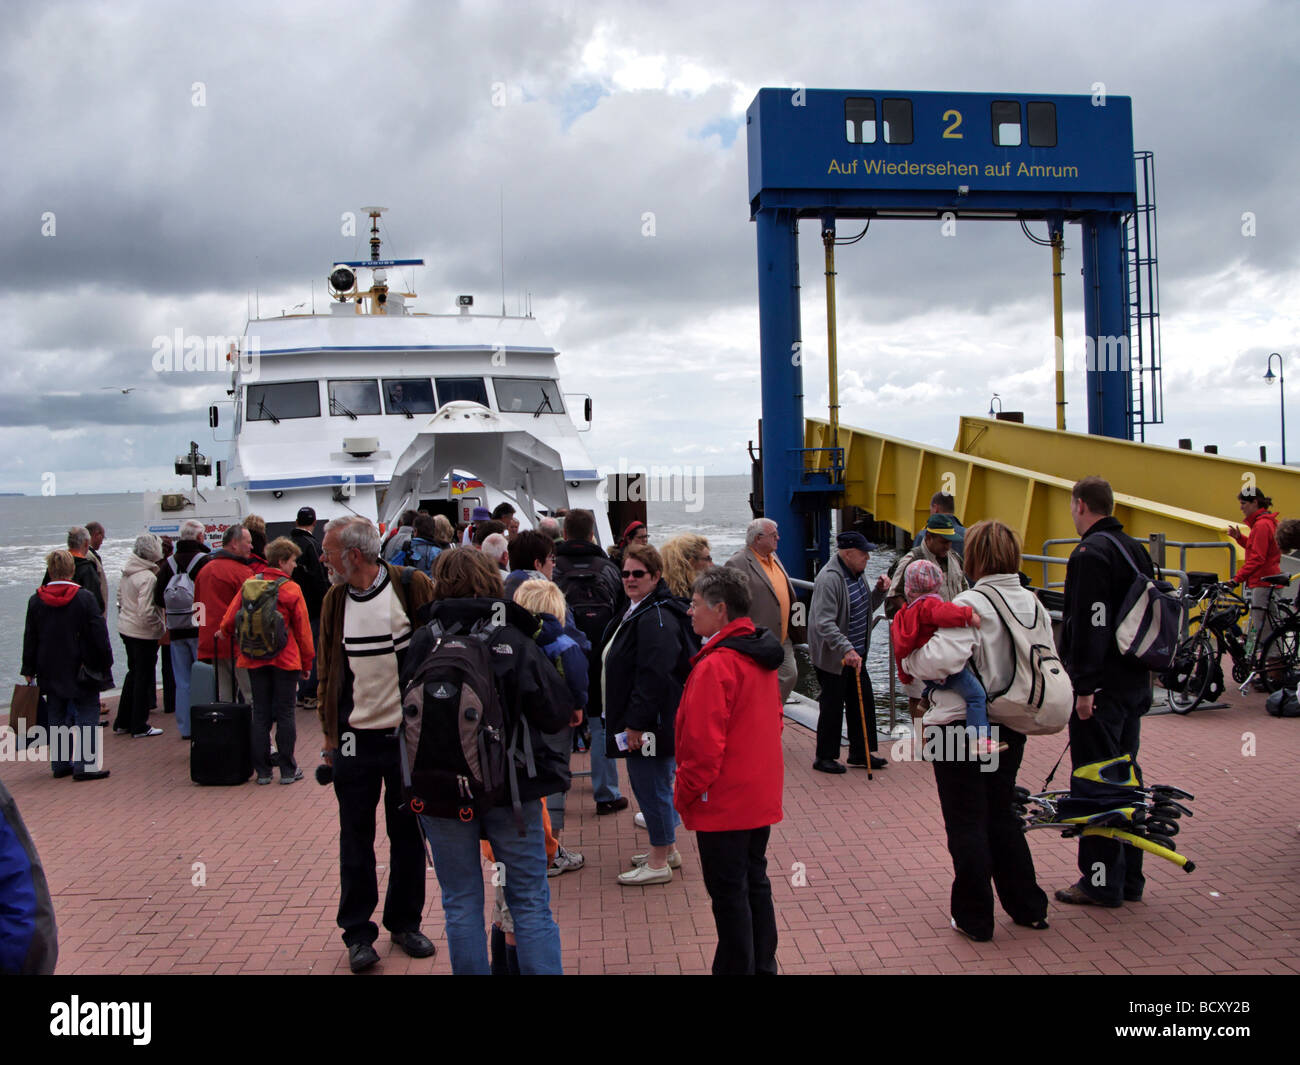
(29, 938)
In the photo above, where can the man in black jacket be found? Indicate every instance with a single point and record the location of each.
(593, 587)
(1111, 692)
(310, 575)
(86, 573)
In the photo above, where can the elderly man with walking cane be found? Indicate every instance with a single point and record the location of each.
(839, 633)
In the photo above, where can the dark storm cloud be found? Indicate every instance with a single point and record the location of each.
(624, 201)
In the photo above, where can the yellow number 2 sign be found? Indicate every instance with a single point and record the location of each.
(953, 118)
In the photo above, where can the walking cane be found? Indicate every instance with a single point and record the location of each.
(862, 714)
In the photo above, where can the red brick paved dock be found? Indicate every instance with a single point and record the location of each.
(121, 859)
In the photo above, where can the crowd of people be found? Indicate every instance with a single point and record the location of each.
(653, 657)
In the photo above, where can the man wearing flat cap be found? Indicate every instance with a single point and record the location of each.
(839, 633)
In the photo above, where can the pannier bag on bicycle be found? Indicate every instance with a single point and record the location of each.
(1150, 618)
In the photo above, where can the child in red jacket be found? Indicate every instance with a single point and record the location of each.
(912, 628)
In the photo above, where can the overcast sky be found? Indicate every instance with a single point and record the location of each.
(170, 201)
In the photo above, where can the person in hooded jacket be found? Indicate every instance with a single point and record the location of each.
(467, 590)
(140, 624)
(730, 768)
(65, 630)
(647, 654)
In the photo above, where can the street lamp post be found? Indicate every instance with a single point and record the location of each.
(1281, 382)
(992, 412)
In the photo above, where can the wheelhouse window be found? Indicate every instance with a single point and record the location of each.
(527, 395)
(1041, 115)
(409, 396)
(283, 399)
(353, 397)
(860, 120)
(451, 389)
(898, 121)
(1006, 123)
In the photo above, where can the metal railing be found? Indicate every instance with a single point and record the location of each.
(1161, 546)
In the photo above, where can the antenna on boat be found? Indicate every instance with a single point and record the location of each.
(501, 193)
(374, 213)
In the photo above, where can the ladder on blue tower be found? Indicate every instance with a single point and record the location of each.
(1147, 406)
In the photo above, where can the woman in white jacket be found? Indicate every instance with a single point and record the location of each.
(985, 837)
(140, 624)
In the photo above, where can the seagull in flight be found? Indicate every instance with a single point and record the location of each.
(124, 391)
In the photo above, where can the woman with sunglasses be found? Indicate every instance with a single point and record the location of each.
(646, 658)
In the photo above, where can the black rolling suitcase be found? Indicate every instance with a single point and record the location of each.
(221, 741)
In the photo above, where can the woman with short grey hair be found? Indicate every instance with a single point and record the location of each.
(140, 624)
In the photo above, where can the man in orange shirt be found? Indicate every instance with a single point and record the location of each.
(772, 597)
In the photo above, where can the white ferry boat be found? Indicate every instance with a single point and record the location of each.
(373, 407)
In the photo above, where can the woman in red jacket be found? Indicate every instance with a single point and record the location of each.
(730, 768)
(275, 680)
(1263, 559)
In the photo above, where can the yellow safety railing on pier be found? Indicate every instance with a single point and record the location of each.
(894, 479)
(1191, 479)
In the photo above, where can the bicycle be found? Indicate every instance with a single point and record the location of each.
(1197, 673)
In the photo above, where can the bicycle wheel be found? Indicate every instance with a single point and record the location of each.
(1189, 679)
(1279, 658)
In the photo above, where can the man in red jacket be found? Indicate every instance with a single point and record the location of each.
(218, 579)
(730, 768)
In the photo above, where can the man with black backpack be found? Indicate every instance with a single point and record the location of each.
(1111, 690)
(484, 737)
(593, 587)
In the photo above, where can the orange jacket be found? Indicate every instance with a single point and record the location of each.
(298, 652)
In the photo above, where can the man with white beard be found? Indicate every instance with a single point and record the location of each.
(366, 622)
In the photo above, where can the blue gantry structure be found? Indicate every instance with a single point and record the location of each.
(866, 154)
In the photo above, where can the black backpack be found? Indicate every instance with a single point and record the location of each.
(458, 751)
(590, 601)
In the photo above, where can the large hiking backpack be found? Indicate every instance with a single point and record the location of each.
(418, 554)
(1150, 622)
(260, 631)
(457, 751)
(590, 602)
(1038, 697)
(178, 595)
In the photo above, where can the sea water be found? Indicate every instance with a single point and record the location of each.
(35, 525)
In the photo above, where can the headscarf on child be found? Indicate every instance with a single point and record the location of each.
(923, 577)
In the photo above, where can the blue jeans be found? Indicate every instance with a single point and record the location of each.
(78, 738)
(458, 863)
(604, 769)
(967, 685)
(652, 784)
(184, 654)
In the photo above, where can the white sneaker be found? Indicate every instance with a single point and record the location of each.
(674, 859)
(643, 874)
(150, 732)
(639, 820)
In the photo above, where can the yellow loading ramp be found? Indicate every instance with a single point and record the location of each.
(894, 479)
(1205, 483)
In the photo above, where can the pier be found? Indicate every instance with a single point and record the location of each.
(151, 874)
